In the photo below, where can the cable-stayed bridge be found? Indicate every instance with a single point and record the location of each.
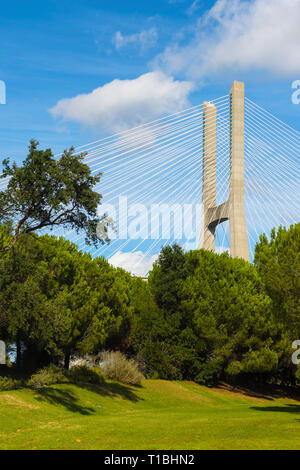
(215, 175)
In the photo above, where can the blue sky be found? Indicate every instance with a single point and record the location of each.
(129, 62)
(55, 49)
(58, 49)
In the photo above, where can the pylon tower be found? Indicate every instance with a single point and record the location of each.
(234, 208)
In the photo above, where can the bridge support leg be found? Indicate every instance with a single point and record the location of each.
(233, 209)
(237, 220)
(207, 238)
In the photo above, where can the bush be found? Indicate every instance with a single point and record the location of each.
(209, 374)
(7, 383)
(87, 360)
(115, 366)
(161, 361)
(48, 376)
(84, 374)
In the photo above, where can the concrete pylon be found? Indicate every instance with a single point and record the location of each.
(237, 219)
(209, 182)
(233, 209)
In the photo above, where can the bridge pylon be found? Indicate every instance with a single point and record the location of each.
(234, 208)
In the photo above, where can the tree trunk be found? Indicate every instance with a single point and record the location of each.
(67, 361)
(18, 358)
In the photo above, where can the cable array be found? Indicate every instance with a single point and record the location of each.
(159, 164)
(272, 173)
(155, 170)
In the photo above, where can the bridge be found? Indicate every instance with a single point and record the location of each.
(213, 176)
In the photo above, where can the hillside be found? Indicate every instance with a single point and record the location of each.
(158, 415)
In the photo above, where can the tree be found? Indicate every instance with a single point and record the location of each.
(233, 314)
(118, 294)
(278, 262)
(165, 279)
(46, 192)
(212, 318)
(29, 307)
(162, 335)
(56, 300)
(151, 334)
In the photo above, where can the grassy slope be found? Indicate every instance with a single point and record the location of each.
(159, 415)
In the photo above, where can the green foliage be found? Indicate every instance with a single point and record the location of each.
(163, 335)
(115, 366)
(48, 192)
(47, 376)
(52, 374)
(278, 263)
(231, 311)
(260, 361)
(165, 280)
(149, 334)
(7, 383)
(5, 235)
(201, 316)
(87, 375)
(209, 374)
(56, 299)
(116, 287)
(208, 316)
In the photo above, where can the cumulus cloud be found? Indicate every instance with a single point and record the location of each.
(136, 263)
(144, 39)
(122, 104)
(240, 34)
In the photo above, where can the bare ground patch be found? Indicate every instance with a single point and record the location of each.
(15, 401)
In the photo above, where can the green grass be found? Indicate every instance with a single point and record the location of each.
(158, 415)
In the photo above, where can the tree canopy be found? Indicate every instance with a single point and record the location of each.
(47, 192)
(56, 300)
(278, 263)
(201, 316)
(212, 318)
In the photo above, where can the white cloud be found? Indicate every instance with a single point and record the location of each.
(136, 263)
(193, 8)
(240, 35)
(145, 39)
(122, 104)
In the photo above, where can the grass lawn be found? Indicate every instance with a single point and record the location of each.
(158, 415)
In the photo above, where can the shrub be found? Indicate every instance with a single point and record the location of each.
(48, 376)
(84, 374)
(115, 366)
(234, 368)
(7, 383)
(87, 360)
(209, 374)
